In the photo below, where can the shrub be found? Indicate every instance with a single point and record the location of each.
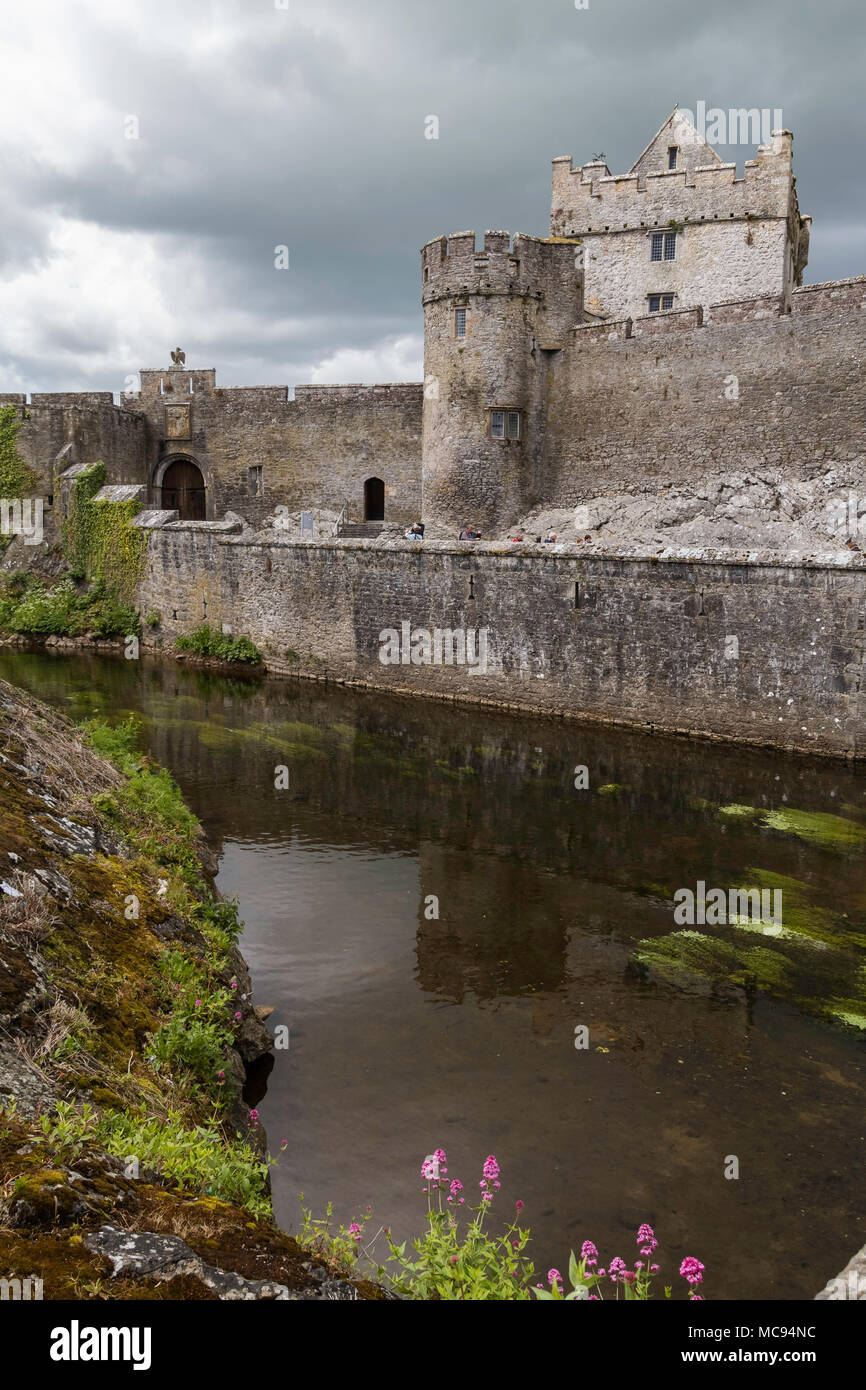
(206, 641)
(28, 606)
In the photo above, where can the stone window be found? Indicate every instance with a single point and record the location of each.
(657, 302)
(673, 151)
(663, 246)
(505, 424)
(256, 481)
(459, 323)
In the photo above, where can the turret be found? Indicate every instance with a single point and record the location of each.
(491, 320)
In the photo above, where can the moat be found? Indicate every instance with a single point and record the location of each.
(410, 1031)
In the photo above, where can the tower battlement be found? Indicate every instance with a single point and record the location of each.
(589, 199)
(529, 267)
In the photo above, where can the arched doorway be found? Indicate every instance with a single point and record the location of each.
(374, 500)
(183, 490)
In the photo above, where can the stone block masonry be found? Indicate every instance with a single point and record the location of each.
(759, 650)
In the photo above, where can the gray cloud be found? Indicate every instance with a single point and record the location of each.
(305, 126)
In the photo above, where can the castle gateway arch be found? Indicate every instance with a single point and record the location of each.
(180, 486)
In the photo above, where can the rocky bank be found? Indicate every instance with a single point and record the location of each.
(129, 1168)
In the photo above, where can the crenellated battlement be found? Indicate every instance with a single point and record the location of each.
(588, 199)
(528, 267)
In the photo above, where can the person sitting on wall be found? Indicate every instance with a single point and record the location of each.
(517, 538)
(550, 537)
(414, 532)
(469, 533)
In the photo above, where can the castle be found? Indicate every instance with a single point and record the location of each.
(658, 341)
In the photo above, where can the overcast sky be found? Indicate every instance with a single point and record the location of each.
(260, 126)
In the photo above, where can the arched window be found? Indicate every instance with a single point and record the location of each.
(374, 500)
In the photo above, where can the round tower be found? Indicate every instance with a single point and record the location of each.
(491, 319)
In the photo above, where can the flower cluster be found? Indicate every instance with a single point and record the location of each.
(693, 1272)
(434, 1169)
(636, 1283)
(490, 1179)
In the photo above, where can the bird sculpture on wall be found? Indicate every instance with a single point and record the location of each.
(178, 357)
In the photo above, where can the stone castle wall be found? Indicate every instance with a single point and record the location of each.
(66, 427)
(314, 451)
(639, 403)
(627, 639)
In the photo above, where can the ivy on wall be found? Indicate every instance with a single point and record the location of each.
(17, 478)
(99, 540)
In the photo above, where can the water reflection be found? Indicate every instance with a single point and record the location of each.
(433, 908)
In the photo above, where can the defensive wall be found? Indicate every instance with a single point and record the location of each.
(768, 650)
(679, 396)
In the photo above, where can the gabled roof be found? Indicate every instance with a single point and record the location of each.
(676, 130)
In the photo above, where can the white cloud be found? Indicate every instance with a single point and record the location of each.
(393, 359)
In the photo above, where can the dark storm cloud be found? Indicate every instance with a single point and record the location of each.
(305, 127)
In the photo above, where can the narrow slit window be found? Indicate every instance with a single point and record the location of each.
(673, 151)
(256, 481)
(497, 424)
(512, 424)
(459, 323)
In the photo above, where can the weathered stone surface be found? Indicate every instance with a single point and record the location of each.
(144, 1254)
(638, 638)
(851, 1283)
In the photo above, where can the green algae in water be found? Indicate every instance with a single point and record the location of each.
(683, 955)
(818, 827)
(801, 916)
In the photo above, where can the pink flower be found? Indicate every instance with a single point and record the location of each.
(355, 1231)
(456, 1187)
(554, 1277)
(491, 1168)
(518, 1205)
(646, 1239)
(616, 1270)
(589, 1253)
(238, 1016)
(692, 1270)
